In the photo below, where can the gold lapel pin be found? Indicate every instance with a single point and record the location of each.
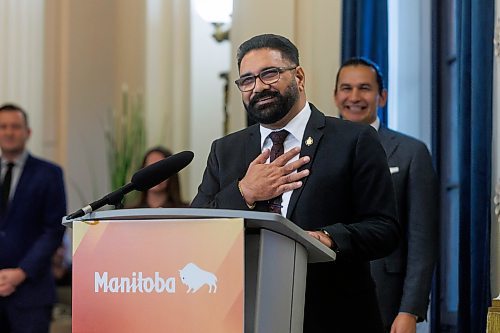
(309, 141)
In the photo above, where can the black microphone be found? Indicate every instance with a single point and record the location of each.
(142, 180)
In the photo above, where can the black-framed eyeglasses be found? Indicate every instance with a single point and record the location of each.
(267, 76)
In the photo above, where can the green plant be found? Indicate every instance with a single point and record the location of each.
(126, 139)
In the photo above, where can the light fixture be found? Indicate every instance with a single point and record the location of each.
(218, 13)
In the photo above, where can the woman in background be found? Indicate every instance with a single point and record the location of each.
(167, 194)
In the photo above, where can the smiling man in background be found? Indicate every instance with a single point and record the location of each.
(403, 279)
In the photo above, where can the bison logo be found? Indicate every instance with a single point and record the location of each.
(195, 277)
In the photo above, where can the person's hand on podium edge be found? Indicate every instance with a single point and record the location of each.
(10, 278)
(404, 323)
(266, 181)
(322, 237)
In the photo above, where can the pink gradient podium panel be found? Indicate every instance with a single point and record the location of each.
(158, 276)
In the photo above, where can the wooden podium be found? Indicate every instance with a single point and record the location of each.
(493, 319)
(190, 270)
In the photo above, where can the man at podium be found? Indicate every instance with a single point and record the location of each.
(326, 175)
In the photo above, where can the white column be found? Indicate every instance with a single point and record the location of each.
(208, 60)
(21, 61)
(167, 77)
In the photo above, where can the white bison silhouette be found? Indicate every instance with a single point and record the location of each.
(195, 277)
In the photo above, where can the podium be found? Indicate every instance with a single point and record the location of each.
(190, 270)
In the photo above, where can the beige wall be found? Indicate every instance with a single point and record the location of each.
(167, 71)
(95, 47)
(318, 37)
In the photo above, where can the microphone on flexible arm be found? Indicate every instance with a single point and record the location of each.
(142, 180)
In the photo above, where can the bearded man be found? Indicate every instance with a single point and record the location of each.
(327, 175)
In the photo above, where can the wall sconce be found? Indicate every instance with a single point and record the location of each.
(217, 12)
(220, 34)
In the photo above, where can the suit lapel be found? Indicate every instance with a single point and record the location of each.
(310, 142)
(23, 182)
(388, 141)
(252, 145)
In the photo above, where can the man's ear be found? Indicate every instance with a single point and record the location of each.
(300, 76)
(334, 97)
(382, 101)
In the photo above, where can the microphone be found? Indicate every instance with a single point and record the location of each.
(142, 180)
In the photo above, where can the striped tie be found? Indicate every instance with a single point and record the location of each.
(278, 138)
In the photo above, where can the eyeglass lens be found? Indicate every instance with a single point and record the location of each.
(268, 76)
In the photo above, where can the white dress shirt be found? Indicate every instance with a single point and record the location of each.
(296, 127)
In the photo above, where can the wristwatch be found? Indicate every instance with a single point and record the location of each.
(334, 246)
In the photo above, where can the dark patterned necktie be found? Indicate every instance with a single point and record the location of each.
(278, 138)
(7, 179)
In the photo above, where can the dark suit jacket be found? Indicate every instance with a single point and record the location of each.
(31, 230)
(349, 192)
(403, 279)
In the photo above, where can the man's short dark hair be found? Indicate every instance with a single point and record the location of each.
(8, 107)
(362, 61)
(269, 41)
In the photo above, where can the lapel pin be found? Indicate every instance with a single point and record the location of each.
(309, 141)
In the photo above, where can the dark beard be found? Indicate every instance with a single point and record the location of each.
(271, 113)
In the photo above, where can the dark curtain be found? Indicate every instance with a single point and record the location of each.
(475, 66)
(364, 34)
(437, 134)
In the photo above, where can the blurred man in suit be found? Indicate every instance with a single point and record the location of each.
(32, 205)
(403, 279)
(330, 178)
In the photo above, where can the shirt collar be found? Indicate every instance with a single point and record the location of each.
(376, 124)
(19, 161)
(295, 127)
